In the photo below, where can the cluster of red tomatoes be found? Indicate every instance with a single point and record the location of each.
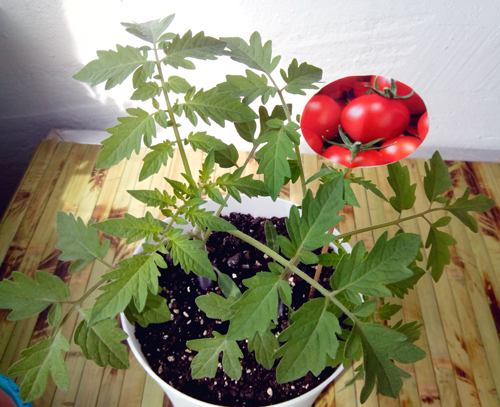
(362, 121)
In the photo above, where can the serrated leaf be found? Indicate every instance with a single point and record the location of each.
(439, 243)
(403, 287)
(131, 228)
(319, 213)
(102, 343)
(254, 54)
(301, 77)
(227, 285)
(257, 307)
(133, 279)
(388, 262)
(112, 67)
(155, 311)
(79, 243)
(199, 46)
(246, 130)
(273, 159)
(215, 306)
(127, 137)
(142, 74)
(146, 91)
(271, 235)
(55, 315)
(206, 361)
(207, 220)
(264, 345)
(381, 346)
(149, 31)
(235, 185)
(158, 156)
(365, 309)
(190, 254)
(216, 106)
(400, 182)
(308, 342)
(463, 205)
(386, 311)
(153, 197)
(37, 362)
(26, 296)
(178, 84)
(368, 185)
(437, 179)
(249, 87)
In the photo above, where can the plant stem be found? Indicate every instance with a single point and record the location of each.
(386, 224)
(185, 161)
(297, 149)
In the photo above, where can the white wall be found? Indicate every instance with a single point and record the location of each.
(449, 50)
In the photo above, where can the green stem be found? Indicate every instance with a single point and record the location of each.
(185, 161)
(387, 224)
(297, 149)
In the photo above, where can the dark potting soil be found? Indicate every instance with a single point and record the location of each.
(164, 345)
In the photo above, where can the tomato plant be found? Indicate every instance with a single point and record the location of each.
(370, 117)
(314, 139)
(398, 148)
(415, 104)
(423, 126)
(368, 159)
(322, 116)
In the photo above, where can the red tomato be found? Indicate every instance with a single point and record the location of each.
(322, 116)
(314, 140)
(349, 87)
(415, 104)
(423, 126)
(373, 116)
(339, 155)
(368, 158)
(398, 148)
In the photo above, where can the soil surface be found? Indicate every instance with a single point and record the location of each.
(164, 345)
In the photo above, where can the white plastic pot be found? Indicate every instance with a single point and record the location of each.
(265, 207)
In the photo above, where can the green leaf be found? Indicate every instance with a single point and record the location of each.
(127, 137)
(368, 185)
(190, 254)
(207, 220)
(400, 182)
(149, 31)
(26, 296)
(246, 130)
(198, 46)
(158, 156)
(78, 242)
(216, 106)
(365, 309)
(439, 254)
(381, 346)
(155, 311)
(403, 287)
(102, 343)
(37, 362)
(386, 311)
(146, 91)
(271, 236)
(132, 279)
(308, 342)
(132, 228)
(253, 54)
(178, 84)
(273, 159)
(154, 198)
(301, 77)
(387, 263)
(463, 205)
(206, 361)
(142, 74)
(235, 184)
(258, 306)
(249, 87)
(112, 67)
(319, 213)
(264, 345)
(215, 306)
(437, 179)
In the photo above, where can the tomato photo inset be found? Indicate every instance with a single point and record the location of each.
(364, 121)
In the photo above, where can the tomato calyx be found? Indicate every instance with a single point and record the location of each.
(354, 147)
(389, 92)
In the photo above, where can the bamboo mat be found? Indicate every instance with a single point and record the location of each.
(460, 314)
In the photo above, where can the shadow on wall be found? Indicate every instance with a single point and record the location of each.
(30, 107)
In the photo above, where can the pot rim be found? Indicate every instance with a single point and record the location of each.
(137, 351)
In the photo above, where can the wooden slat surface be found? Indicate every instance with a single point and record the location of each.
(460, 314)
